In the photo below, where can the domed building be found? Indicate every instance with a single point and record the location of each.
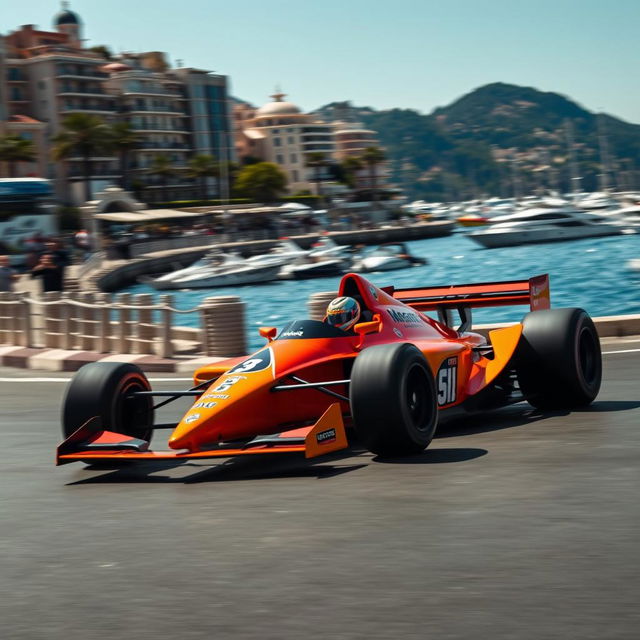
(280, 132)
(68, 22)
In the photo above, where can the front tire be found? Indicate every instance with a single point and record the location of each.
(101, 389)
(393, 400)
(559, 360)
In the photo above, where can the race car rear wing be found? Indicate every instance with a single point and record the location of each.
(533, 292)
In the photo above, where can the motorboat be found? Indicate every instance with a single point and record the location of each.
(629, 216)
(218, 270)
(326, 247)
(473, 220)
(387, 257)
(545, 225)
(633, 264)
(285, 251)
(325, 258)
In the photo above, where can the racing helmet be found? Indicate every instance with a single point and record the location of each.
(343, 313)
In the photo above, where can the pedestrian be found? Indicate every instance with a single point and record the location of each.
(59, 255)
(49, 272)
(7, 275)
(82, 240)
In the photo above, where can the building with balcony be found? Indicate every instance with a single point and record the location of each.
(155, 109)
(47, 75)
(280, 132)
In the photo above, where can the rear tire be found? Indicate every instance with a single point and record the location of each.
(101, 389)
(393, 400)
(558, 360)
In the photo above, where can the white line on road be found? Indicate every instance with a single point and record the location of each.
(608, 353)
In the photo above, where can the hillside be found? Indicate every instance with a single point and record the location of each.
(498, 139)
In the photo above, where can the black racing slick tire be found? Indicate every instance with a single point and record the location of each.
(558, 359)
(103, 389)
(393, 400)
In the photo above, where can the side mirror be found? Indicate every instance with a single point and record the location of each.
(269, 333)
(364, 328)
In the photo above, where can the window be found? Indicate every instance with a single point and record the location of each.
(295, 175)
(280, 159)
(276, 142)
(291, 140)
(293, 158)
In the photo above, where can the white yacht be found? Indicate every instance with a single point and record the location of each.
(545, 225)
(218, 270)
(309, 266)
(386, 257)
(629, 216)
(633, 264)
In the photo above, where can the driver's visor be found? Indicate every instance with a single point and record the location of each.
(340, 318)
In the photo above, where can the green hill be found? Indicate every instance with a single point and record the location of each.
(498, 139)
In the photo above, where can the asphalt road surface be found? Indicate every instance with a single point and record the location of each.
(514, 525)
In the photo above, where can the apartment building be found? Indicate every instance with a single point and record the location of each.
(47, 75)
(280, 132)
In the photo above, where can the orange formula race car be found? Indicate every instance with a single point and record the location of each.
(388, 379)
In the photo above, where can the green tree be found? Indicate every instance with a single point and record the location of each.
(350, 167)
(85, 136)
(103, 51)
(372, 158)
(162, 167)
(124, 139)
(15, 149)
(318, 161)
(262, 182)
(201, 167)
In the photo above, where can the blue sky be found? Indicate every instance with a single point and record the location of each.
(407, 53)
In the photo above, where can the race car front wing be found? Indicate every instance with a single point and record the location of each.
(92, 443)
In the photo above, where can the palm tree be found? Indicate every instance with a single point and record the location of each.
(201, 167)
(371, 158)
(162, 167)
(82, 135)
(124, 139)
(350, 166)
(317, 160)
(15, 149)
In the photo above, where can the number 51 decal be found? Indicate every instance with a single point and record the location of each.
(447, 381)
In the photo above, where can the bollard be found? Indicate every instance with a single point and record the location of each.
(4, 318)
(124, 318)
(223, 326)
(145, 333)
(166, 346)
(66, 313)
(88, 325)
(74, 322)
(50, 319)
(23, 315)
(17, 314)
(103, 326)
(317, 303)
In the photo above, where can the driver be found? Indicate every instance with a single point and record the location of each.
(343, 313)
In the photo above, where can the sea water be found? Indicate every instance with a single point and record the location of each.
(588, 273)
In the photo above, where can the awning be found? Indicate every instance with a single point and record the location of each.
(150, 215)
